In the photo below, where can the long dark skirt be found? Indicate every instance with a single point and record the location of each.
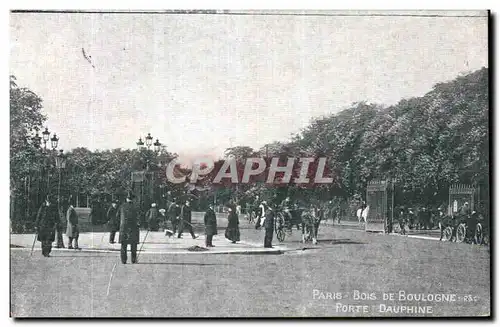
(232, 234)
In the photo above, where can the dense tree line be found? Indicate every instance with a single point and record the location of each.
(423, 144)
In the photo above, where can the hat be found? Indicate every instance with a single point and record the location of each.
(153, 205)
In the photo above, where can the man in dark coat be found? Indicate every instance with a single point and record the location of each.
(72, 231)
(129, 229)
(233, 230)
(173, 212)
(97, 213)
(185, 221)
(152, 218)
(113, 221)
(210, 225)
(269, 227)
(45, 224)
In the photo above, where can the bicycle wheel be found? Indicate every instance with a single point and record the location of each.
(280, 235)
(447, 233)
(461, 233)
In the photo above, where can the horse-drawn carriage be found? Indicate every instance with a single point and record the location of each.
(305, 219)
(472, 228)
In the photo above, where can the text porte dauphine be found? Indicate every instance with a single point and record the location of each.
(399, 302)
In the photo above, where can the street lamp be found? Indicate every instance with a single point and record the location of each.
(54, 140)
(149, 140)
(157, 146)
(140, 144)
(46, 135)
(37, 140)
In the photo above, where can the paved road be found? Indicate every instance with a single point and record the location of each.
(293, 284)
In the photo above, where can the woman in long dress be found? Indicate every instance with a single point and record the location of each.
(232, 230)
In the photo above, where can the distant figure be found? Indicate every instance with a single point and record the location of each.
(238, 209)
(210, 220)
(72, 231)
(97, 213)
(129, 229)
(261, 215)
(173, 213)
(45, 225)
(269, 227)
(113, 221)
(425, 218)
(152, 218)
(465, 210)
(185, 221)
(232, 231)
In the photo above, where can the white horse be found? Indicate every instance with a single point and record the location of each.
(359, 214)
(365, 213)
(362, 214)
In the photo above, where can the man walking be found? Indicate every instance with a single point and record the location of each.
(173, 213)
(210, 225)
(113, 222)
(269, 227)
(185, 221)
(129, 229)
(45, 224)
(72, 231)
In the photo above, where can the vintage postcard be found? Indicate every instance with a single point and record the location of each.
(244, 164)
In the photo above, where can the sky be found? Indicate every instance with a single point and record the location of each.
(203, 83)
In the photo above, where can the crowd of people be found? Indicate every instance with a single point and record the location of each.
(176, 218)
(126, 219)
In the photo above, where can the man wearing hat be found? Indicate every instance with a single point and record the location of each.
(210, 225)
(269, 227)
(129, 229)
(45, 224)
(113, 221)
(185, 220)
(72, 231)
(173, 212)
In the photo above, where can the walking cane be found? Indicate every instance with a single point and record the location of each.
(34, 241)
(144, 241)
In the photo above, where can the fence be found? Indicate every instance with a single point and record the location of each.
(459, 194)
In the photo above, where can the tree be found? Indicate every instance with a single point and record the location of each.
(25, 118)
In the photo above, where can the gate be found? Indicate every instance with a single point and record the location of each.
(380, 201)
(458, 195)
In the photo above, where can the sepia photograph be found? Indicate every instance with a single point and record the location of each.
(227, 163)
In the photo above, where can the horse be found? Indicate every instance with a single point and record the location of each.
(311, 219)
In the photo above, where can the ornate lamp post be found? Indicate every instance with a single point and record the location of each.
(147, 176)
(54, 141)
(46, 135)
(149, 140)
(157, 146)
(140, 144)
